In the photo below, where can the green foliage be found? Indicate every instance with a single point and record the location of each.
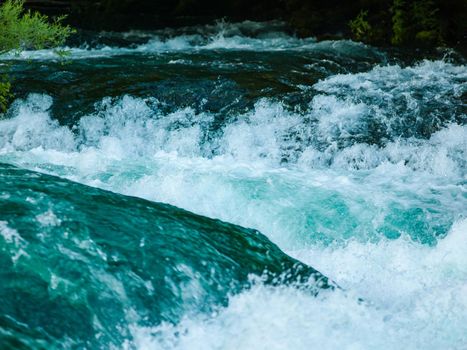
(425, 13)
(29, 30)
(21, 30)
(5, 94)
(415, 20)
(360, 27)
(428, 36)
(426, 22)
(399, 30)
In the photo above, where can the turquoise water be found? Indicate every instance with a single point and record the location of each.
(78, 263)
(348, 158)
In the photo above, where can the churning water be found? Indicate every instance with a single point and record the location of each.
(350, 159)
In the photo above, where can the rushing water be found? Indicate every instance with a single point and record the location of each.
(353, 160)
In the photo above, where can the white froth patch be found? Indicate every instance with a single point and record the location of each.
(257, 136)
(397, 79)
(338, 119)
(48, 219)
(32, 127)
(14, 239)
(441, 155)
(333, 132)
(10, 235)
(132, 128)
(414, 295)
(267, 318)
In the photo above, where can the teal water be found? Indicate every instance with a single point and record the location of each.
(78, 263)
(348, 158)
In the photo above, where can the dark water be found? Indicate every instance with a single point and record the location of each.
(351, 159)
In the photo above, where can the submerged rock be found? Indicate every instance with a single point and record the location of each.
(80, 265)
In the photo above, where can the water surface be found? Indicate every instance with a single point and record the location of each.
(351, 159)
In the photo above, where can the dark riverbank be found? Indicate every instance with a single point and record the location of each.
(421, 23)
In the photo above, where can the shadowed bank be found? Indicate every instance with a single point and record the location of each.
(384, 22)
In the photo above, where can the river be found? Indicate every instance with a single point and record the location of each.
(347, 158)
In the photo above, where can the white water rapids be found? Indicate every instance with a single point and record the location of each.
(386, 221)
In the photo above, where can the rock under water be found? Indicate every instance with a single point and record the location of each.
(81, 265)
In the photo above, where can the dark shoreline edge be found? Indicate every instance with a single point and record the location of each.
(433, 23)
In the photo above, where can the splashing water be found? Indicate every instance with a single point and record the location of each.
(349, 159)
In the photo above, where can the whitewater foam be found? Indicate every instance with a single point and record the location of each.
(301, 178)
(414, 295)
(244, 36)
(16, 244)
